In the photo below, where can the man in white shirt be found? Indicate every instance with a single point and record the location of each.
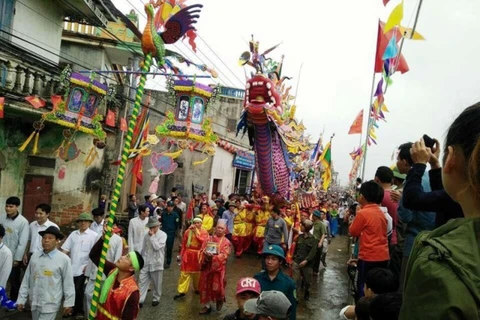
(48, 279)
(154, 253)
(6, 260)
(78, 246)
(42, 213)
(97, 224)
(16, 238)
(137, 228)
(114, 252)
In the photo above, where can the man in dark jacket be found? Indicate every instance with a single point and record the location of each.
(170, 222)
(303, 256)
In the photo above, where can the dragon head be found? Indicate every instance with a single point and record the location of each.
(261, 95)
(150, 9)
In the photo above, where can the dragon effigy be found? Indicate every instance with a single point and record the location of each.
(268, 117)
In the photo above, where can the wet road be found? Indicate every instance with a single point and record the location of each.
(329, 292)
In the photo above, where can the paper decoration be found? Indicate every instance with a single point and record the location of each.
(123, 125)
(379, 91)
(407, 33)
(36, 102)
(395, 18)
(163, 163)
(391, 51)
(382, 43)
(110, 120)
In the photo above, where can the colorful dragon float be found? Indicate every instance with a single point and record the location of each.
(269, 118)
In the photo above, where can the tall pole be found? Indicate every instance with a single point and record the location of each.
(368, 126)
(118, 185)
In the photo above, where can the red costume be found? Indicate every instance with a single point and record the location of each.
(117, 299)
(212, 279)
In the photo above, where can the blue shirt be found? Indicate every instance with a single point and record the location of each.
(170, 221)
(415, 221)
(280, 283)
(229, 216)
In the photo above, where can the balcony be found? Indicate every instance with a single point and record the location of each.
(232, 93)
(24, 74)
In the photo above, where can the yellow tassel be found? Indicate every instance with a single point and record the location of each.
(174, 155)
(35, 142)
(27, 142)
(92, 154)
(200, 162)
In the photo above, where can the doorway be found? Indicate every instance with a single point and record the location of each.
(37, 189)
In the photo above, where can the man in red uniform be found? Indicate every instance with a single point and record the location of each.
(190, 268)
(120, 296)
(215, 253)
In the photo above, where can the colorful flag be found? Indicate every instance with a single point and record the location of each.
(110, 120)
(395, 18)
(391, 50)
(2, 102)
(382, 43)
(357, 124)
(36, 102)
(326, 160)
(123, 125)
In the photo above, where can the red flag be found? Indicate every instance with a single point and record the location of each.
(123, 125)
(55, 100)
(2, 102)
(36, 102)
(382, 42)
(385, 2)
(110, 120)
(137, 170)
(357, 124)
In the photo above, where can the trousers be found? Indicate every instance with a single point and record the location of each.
(304, 274)
(37, 315)
(185, 279)
(79, 283)
(170, 241)
(146, 277)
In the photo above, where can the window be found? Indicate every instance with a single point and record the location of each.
(41, 162)
(7, 8)
(241, 179)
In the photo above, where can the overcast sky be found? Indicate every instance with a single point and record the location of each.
(335, 41)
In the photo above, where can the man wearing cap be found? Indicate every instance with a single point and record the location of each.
(215, 252)
(305, 249)
(150, 203)
(48, 279)
(119, 295)
(170, 223)
(78, 246)
(219, 204)
(137, 228)
(271, 305)
(154, 253)
(190, 267)
(247, 288)
(319, 233)
(97, 224)
(114, 252)
(272, 278)
(6, 260)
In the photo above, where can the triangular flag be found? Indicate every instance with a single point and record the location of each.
(36, 102)
(382, 42)
(407, 33)
(123, 125)
(110, 120)
(386, 67)
(385, 2)
(395, 18)
(391, 51)
(2, 102)
(384, 108)
(56, 100)
(356, 126)
(379, 90)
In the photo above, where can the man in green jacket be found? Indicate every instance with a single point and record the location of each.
(319, 233)
(303, 257)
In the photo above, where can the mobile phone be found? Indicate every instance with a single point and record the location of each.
(429, 142)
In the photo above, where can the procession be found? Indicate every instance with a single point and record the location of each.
(142, 178)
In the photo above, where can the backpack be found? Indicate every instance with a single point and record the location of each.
(443, 273)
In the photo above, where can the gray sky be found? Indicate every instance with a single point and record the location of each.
(335, 41)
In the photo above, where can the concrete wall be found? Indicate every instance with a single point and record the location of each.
(39, 22)
(223, 170)
(86, 55)
(70, 195)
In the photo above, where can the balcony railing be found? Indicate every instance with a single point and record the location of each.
(232, 93)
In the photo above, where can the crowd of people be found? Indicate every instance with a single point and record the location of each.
(415, 256)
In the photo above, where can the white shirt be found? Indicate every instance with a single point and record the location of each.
(182, 206)
(114, 252)
(389, 220)
(16, 235)
(78, 246)
(137, 228)
(97, 227)
(341, 212)
(47, 279)
(34, 238)
(6, 262)
(154, 251)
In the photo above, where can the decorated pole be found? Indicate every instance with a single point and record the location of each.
(118, 185)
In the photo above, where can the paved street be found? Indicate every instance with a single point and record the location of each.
(329, 292)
